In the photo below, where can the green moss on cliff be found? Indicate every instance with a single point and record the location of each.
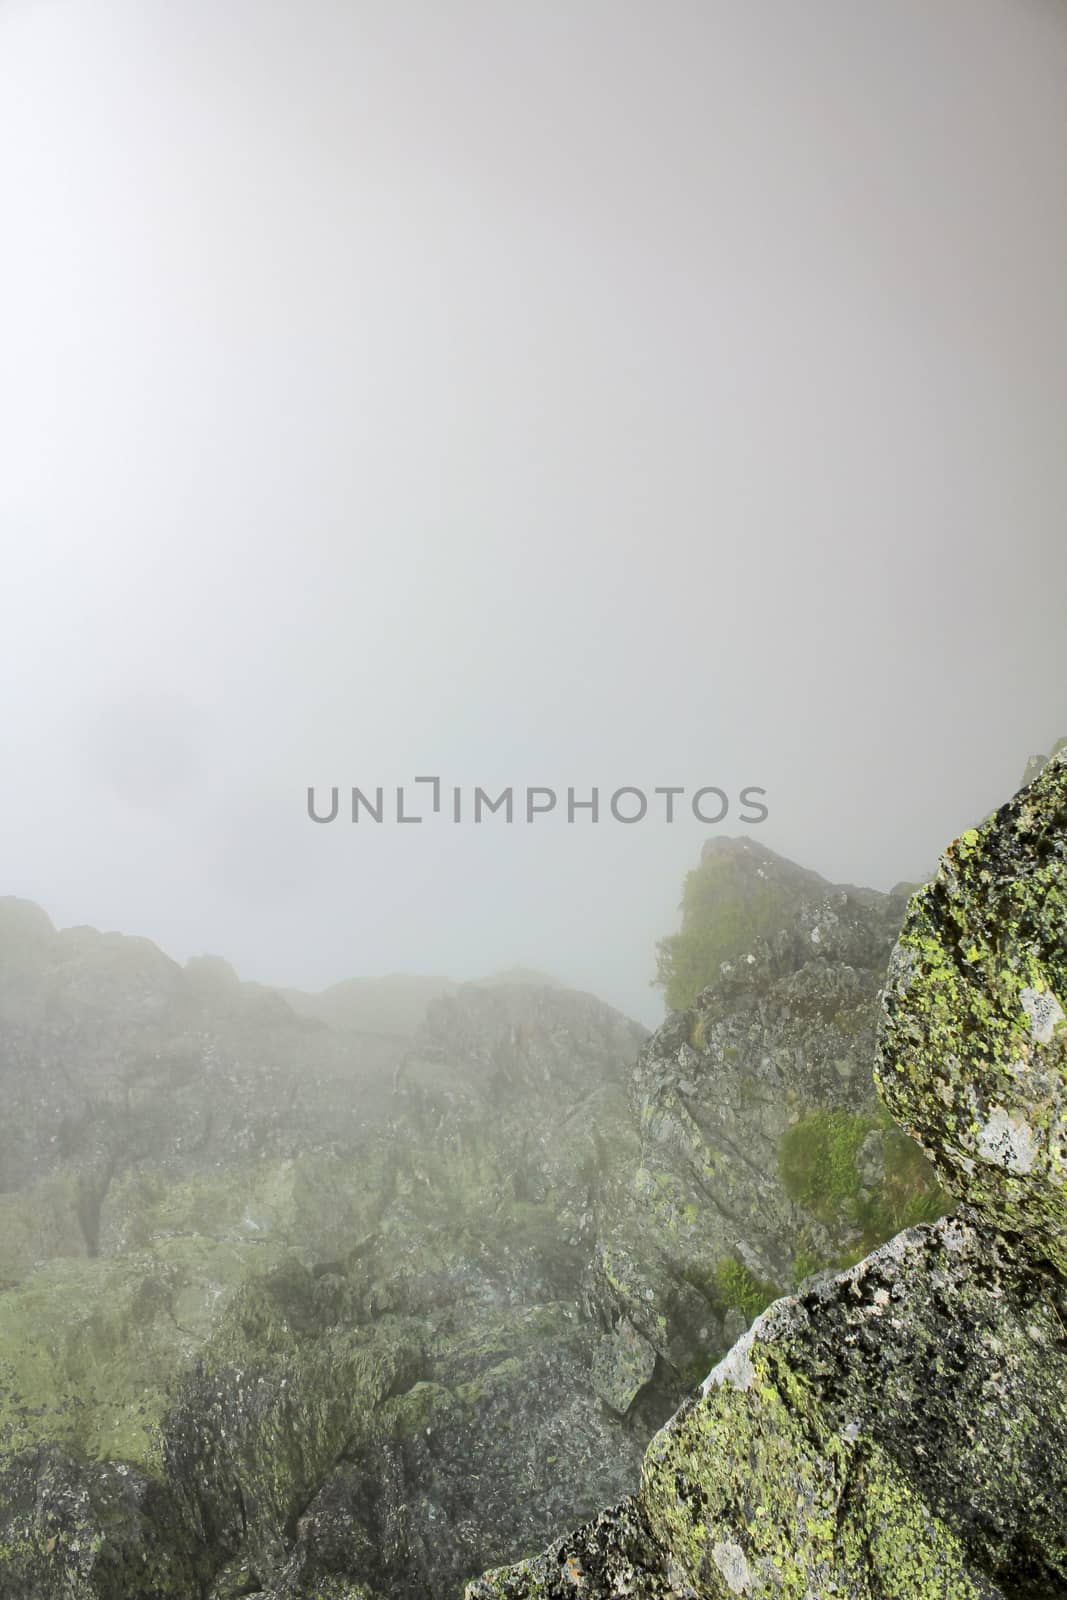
(857, 1173)
(818, 1163)
(90, 1350)
(40, 1222)
(738, 1289)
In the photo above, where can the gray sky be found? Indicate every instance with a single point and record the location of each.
(543, 393)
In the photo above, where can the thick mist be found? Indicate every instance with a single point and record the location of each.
(587, 396)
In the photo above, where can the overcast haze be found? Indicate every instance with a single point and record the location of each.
(574, 394)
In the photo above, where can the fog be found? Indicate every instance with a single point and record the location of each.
(569, 396)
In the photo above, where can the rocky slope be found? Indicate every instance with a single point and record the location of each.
(900, 1429)
(298, 1312)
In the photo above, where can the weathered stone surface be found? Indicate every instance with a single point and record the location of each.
(86, 1530)
(899, 1431)
(974, 1043)
(622, 1365)
(615, 1554)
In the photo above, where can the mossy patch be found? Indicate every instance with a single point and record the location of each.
(42, 1221)
(90, 1350)
(739, 1289)
(822, 1169)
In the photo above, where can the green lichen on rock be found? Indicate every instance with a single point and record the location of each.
(799, 1470)
(974, 1036)
(297, 1337)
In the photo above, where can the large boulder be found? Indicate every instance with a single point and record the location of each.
(899, 1431)
(974, 1044)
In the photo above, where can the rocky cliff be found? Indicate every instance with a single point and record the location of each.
(899, 1429)
(302, 1313)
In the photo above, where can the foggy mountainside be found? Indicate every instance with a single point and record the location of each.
(533, 1001)
(295, 1309)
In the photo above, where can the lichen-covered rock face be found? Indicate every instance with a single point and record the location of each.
(93, 1530)
(899, 1431)
(974, 1037)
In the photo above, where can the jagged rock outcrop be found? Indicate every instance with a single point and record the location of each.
(739, 891)
(900, 1429)
(113, 1058)
(861, 1440)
